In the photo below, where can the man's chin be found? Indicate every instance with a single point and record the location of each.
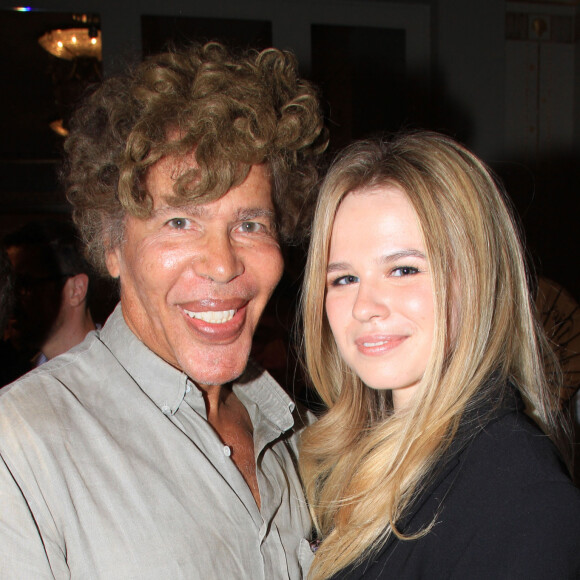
(217, 365)
(215, 382)
(216, 376)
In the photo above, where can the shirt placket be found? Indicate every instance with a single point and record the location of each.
(192, 420)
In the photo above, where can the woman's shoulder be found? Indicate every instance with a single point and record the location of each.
(511, 448)
(502, 507)
(510, 495)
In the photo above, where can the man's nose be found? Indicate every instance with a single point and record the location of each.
(370, 302)
(219, 260)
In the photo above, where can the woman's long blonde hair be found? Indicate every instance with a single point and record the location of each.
(363, 464)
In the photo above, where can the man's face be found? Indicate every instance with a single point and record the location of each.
(38, 296)
(195, 279)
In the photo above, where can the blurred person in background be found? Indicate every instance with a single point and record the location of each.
(52, 284)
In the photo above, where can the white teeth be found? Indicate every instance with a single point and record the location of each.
(370, 344)
(211, 316)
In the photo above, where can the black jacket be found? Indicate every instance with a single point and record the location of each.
(505, 509)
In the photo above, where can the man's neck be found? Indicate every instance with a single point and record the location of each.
(214, 396)
(231, 421)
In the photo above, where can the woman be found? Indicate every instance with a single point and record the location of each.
(421, 340)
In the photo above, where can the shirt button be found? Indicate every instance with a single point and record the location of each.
(166, 410)
(187, 388)
(227, 451)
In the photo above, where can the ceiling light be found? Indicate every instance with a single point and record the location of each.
(71, 43)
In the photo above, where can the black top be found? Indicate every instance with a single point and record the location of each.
(504, 505)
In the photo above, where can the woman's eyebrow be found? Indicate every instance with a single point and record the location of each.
(385, 259)
(337, 267)
(401, 254)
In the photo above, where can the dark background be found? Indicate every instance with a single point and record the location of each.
(477, 68)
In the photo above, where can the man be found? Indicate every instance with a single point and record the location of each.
(153, 450)
(51, 311)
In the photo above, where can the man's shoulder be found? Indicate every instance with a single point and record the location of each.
(60, 383)
(54, 367)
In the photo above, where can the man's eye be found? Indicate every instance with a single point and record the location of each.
(252, 227)
(345, 280)
(405, 271)
(178, 223)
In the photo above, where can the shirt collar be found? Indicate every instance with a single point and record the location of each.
(38, 359)
(258, 391)
(268, 404)
(162, 383)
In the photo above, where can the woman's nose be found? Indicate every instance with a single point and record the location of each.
(370, 302)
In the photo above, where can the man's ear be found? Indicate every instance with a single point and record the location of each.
(76, 288)
(112, 262)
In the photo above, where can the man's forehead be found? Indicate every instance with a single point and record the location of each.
(174, 165)
(161, 177)
(171, 167)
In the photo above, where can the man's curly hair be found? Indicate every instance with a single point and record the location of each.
(233, 110)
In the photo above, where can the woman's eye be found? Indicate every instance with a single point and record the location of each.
(405, 271)
(345, 280)
(178, 223)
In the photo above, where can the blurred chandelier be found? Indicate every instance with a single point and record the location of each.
(81, 46)
(73, 43)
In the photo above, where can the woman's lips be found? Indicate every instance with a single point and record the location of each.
(377, 345)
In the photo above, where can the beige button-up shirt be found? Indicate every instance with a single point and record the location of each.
(110, 470)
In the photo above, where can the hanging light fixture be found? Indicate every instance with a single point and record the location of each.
(73, 43)
(80, 45)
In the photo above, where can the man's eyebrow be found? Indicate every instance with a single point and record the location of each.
(186, 210)
(243, 214)
(249, 213)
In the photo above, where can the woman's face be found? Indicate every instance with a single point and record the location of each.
(379, 299)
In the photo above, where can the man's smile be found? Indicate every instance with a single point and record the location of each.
(213, 317)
